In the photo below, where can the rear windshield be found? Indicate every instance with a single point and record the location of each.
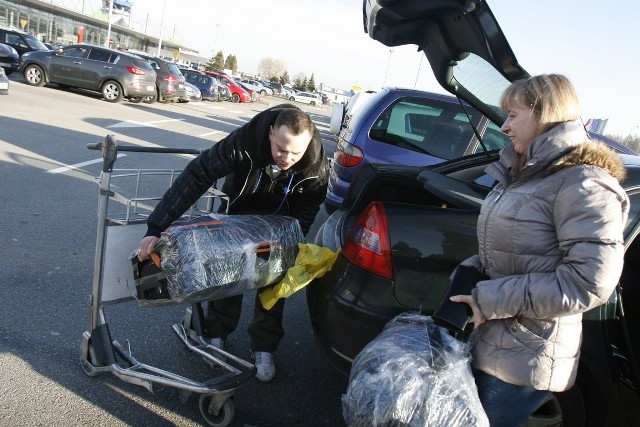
(173, 68)
(141, 63)
(432, 127)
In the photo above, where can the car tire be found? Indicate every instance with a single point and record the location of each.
(150, 99)
(313, 103)
(34, 75)
(112, 91)
(292, 99)
(136, 99)
(235, 98)
(263, 92)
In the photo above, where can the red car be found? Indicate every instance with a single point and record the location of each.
(238, 94)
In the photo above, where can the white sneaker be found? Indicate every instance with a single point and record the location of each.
(264, 364)
(217, 342)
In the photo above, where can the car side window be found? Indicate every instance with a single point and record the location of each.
(75, 52)
(99, 55)
(423, 125)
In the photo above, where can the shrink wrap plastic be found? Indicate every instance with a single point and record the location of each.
(413, 374)
(217, 256)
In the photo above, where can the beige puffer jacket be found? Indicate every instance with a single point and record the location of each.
(551, 241)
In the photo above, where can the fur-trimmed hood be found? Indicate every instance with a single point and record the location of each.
(596, 154)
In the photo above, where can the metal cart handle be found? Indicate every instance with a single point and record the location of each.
(110, 148)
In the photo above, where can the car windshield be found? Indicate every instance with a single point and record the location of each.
(173, 68)
(34, 43)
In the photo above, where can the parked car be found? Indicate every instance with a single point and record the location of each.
(54, 45)
(223, 92)
(115, 74)
(238, 94)
(275, 86)
(192, 93)
(342, 113)
(4, 83)
(21, 41)
(257, 86)
(207, 84)
(252, 92)
(169, 79)
(306, 97)
(402, 229)
(9, 59)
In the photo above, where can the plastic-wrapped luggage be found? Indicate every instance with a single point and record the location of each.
(413, 374)
(217, 256)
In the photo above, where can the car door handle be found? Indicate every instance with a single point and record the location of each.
(107, 67)
(77, 62)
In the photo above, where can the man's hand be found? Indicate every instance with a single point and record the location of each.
(478, 318)
(147, 245)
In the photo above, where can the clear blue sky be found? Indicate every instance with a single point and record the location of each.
(594, 43)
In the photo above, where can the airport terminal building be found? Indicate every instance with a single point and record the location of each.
(53, 23)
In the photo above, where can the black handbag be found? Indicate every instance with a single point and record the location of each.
(455, 315)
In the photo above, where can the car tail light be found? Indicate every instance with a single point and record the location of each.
(171, 78)
(347, 155)
(368, 246)
(136, 70)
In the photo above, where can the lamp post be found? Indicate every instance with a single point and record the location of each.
(215, 40)
(387, 71)
(107, 43)
(164, 5)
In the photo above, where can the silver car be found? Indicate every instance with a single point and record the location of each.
(115, 74)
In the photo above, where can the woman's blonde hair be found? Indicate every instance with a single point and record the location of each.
(551, 97)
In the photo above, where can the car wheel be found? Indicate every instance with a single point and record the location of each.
(263, 92)
(135, 99)
(313, 103)
(235, 98)
(292, 99)
(150, 99)
(112, 91)
(34, 75)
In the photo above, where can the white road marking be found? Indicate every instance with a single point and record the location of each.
(77, 165)
(236, 111)
(133, 123)
(209, 133)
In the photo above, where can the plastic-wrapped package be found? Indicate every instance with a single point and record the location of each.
(413, 374)
(217, 256)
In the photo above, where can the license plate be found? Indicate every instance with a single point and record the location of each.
(4, 85)
(151, 88)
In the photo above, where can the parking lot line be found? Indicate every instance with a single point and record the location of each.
(209, 133)
(133, 123)
(77, 165)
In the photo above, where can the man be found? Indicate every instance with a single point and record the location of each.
(275, 164)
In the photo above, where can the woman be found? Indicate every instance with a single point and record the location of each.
(550, 239)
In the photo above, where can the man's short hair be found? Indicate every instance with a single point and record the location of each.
(297, 121)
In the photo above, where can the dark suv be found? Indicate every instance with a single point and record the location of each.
(207, 84)
(115, 74)
(169, 79)
(21, 41)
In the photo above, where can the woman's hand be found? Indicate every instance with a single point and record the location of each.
(147, 245)
(478, 318)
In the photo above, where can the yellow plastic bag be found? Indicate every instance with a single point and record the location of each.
(312, 262)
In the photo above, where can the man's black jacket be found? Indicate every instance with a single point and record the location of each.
(241, 158)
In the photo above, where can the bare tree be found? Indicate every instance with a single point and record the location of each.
(270, 67)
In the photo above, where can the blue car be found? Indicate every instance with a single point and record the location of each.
(410, 127)
(207, 84)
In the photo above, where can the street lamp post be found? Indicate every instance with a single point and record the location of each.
(215, 41)
(387, 71)
(164, 5)
(107, 43)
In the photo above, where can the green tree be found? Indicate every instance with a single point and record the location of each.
(216, 63)
(284, 78)
(311, 84)
(231, 63)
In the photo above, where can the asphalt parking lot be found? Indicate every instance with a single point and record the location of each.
(48, 228)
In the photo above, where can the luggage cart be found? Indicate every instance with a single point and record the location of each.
(113, 283)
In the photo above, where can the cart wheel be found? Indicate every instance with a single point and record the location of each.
(87, 365)
(224, 415)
